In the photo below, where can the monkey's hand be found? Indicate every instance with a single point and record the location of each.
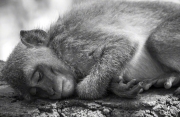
(127, 90)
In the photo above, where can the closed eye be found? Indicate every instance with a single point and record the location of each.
(54, 71)
(37, 77)
(40, 77)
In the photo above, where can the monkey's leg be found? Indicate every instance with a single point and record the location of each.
(128, 90)
(114, 57)
(165, 80)
(164, 45)
(170, 80)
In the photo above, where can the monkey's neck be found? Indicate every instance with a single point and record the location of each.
(78, 60)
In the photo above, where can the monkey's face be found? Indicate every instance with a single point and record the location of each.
(48, 82)
(35, 71)
(48, 77)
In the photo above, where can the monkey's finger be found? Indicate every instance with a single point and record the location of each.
(118, 87)
(147, 86)
(117, 79)
(136, 89)
(148, 83)
(169, 81)
(131, 83)
(122, 86)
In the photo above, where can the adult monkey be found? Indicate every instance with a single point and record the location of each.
(91, 46)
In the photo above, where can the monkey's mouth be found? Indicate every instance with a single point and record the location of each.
(58, 92)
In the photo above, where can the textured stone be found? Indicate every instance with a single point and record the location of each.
(152, 103)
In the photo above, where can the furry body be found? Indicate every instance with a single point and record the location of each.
(99, 41)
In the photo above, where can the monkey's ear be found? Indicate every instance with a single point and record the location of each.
(34, 38)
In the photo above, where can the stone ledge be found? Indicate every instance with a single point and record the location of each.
(153, 103)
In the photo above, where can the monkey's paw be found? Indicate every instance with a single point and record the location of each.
(129, 90)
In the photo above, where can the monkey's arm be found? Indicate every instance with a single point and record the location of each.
(114, 57)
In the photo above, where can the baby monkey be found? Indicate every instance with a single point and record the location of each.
(124, 47)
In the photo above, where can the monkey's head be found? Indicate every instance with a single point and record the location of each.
(35, 71)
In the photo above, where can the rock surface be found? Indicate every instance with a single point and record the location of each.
(153, 103)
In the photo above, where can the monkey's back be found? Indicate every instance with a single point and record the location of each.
(119, 18)
(91, 27)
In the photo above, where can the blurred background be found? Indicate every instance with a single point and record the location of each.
(16, 15)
